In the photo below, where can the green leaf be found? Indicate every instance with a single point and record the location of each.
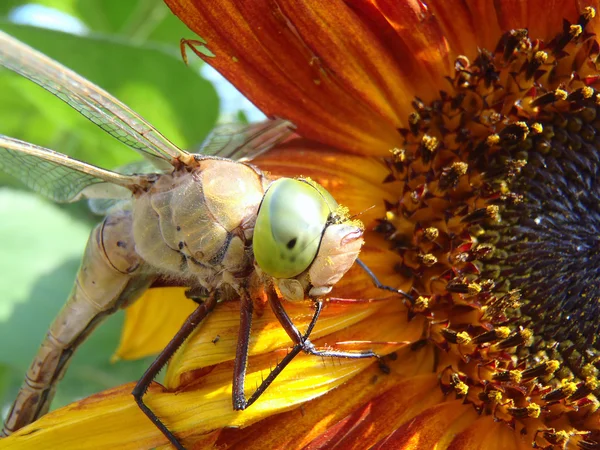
(138, 21)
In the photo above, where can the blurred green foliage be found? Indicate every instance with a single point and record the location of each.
(131, 49)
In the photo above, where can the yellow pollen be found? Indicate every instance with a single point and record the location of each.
(560, 94)
(525, 129)
(493, 212)
(541, 56)
(463, 338)
(569, 388)
(492, 139)
(575, 30)
(431, 233)
(399, 154)
(429, 259)
(461, 389)
(587, 92)
(533, 410)
(503, 187)
(460, 168)
(414, 118)
(591, 383)
(561, 436)
(515, 376)
(502, 332)
(421, 304)
(474, 288)
(552, 366)
(526, 334)
(536, 128)
(390, 216)
(589, 371)
(430, 142)
(495, 395)
(513, 298)
(589, 12)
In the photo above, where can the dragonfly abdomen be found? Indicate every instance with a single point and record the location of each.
(111, 276)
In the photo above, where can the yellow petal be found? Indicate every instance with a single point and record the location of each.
(152, 321)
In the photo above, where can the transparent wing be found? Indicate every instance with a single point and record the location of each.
(94, 103)
(61, 178)
(242, 142)
(103, 206)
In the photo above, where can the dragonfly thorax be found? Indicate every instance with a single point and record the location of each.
(199, 225)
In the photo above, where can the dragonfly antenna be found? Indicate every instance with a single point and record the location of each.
(362, 212)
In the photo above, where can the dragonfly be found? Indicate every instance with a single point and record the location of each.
(211, 220)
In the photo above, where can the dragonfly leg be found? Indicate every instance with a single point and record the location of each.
(142, 385)
(191, 44)
(241, 355)
(301, 343)
(378, 284)
(241, 358)
(303, 340)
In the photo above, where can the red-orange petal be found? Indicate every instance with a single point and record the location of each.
(432, 428)
(415, 39)
(317, 64)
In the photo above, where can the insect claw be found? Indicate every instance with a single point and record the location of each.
(383, 366)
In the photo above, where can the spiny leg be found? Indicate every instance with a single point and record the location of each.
(378, 284)
(303, 340)
(241, 357)
(241, 354)
(142, 385)
(301, 343)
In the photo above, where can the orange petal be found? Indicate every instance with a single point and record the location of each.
(472, 25)
(382, 415)
(298, 428)
(112, 419)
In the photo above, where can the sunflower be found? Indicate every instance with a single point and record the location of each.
(466, 132)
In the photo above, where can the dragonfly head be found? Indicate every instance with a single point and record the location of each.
(303, 239)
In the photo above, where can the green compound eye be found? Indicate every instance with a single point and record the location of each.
(289, 226)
